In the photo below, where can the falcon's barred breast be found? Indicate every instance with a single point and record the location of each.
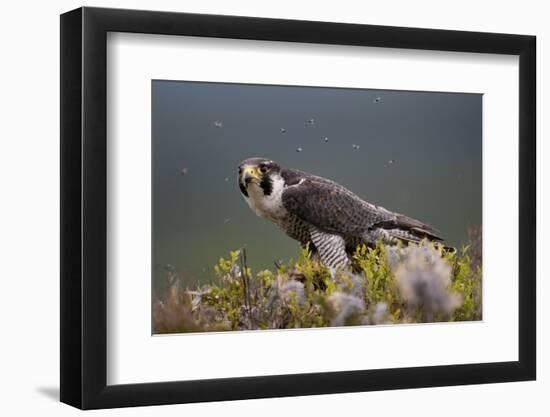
(321, 213)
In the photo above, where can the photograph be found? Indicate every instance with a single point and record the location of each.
(298, 207)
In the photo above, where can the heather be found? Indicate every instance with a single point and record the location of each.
(415, 283)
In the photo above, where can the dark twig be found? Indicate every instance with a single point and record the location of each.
(246, 286)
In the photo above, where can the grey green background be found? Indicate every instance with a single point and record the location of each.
(433, 140)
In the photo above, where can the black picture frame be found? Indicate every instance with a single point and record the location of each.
(84, 207)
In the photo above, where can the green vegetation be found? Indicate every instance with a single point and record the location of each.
(388, 285)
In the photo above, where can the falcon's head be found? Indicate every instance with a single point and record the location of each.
(258, 176)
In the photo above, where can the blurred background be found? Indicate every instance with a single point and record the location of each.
(417, 153)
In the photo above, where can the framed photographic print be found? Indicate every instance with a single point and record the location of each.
(258, 207)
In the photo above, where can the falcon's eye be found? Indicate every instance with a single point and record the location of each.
(263, 169)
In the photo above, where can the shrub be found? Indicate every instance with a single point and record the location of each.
(399, 284)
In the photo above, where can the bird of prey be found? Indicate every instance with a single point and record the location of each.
(321, 214)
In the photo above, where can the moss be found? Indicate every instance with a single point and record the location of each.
(402, 284)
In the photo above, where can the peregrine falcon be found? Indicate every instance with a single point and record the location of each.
(320, 213)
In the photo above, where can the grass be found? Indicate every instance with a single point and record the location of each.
(387, 285)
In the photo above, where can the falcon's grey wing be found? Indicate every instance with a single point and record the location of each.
(334, 209)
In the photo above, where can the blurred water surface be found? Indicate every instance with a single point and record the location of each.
(417, 153)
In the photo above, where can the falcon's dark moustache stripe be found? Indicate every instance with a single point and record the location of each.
(266, 184)
(243, 189)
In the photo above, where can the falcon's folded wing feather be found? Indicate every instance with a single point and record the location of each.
(330, 207)
(333, 208)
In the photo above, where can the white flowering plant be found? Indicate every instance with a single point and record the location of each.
(415, 283)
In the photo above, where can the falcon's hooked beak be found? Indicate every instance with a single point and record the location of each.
(249, 174)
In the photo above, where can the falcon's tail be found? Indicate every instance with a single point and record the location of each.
(416, 228)
(393, 236)
(406, 229)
